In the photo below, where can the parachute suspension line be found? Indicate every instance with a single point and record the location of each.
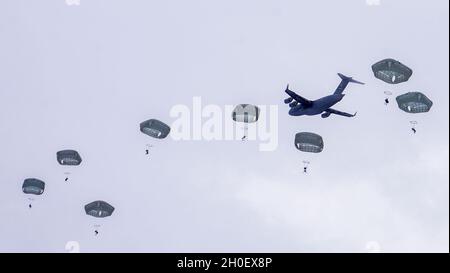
(30, 205)
(148, 148)
(388, 94)
(67, 175)
(96, 229)
(305, 166)
(413, 126)
(245, 132)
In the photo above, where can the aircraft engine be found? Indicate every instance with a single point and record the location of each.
(293, 104)
(288, 100)
(326, 114)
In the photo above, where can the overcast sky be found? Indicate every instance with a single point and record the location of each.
(84, 76)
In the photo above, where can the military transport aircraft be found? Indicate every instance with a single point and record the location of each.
(301, 106)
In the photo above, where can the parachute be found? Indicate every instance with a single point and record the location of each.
(246, 113)
(99, 209)
(309, 142)
(391, 71)
(155, 128)
(68, 157)
(414, 102)
(33, 186)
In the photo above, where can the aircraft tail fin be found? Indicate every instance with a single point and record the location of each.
(287, 88)
(349, 79)
(344, 82)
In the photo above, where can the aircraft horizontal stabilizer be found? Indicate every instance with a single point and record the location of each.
(349, 79)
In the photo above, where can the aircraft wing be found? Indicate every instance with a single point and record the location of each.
(336, 112)
(298, 98)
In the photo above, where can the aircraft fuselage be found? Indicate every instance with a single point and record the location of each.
(317, 107)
